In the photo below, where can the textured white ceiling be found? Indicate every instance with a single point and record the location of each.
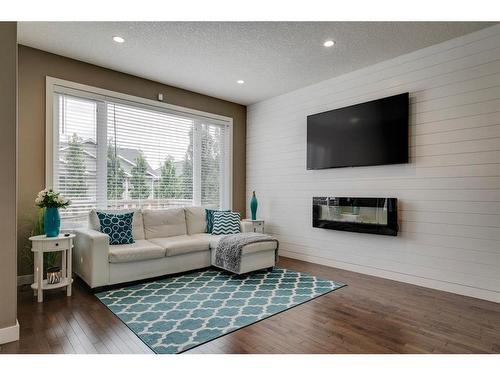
(209, 57)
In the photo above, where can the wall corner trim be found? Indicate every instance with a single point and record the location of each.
(9, 334)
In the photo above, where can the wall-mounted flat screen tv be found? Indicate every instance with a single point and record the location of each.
(371, 133)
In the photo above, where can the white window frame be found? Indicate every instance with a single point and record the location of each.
(56, 85)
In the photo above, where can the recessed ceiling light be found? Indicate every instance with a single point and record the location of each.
(240, 81)
(329, 43)
(118, 39)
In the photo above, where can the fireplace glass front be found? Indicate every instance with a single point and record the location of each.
(367, 215)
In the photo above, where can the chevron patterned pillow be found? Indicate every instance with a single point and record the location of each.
(210, 218)
(226, 222)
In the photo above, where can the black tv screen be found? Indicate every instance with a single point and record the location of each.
(371, 133)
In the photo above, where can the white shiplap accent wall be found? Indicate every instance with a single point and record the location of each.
(449, 194)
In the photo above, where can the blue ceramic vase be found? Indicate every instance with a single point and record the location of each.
(253, 206)
(52, 222)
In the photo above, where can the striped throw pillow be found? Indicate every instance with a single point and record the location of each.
(210, 218)
(226, 222)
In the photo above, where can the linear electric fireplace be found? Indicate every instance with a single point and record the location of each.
(366, 215)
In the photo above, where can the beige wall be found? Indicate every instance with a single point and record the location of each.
(35, 65)
(8, 116)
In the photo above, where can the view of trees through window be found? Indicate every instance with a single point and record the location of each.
(153, 159)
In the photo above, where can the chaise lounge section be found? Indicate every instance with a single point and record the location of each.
(167, 241)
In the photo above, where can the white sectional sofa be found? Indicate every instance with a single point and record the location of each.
(166, 241)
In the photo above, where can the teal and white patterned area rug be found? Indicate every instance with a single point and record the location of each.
(178, 313)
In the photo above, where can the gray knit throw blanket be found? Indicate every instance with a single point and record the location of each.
(228, 251)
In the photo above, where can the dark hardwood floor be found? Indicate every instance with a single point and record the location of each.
(370, 315)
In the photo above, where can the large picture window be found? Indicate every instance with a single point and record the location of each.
(111, 153)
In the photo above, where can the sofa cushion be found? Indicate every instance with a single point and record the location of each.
(247, 249)
(164, 223)
(140, 250)
(137, 223)
(178, 245)
(195, 220)
(118, 227)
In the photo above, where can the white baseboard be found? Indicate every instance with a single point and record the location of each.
(9, 334)
(464, 290)
(25, 279)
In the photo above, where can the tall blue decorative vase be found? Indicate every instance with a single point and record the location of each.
(253, 206)
(52, 222)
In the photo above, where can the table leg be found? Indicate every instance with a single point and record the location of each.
(40, 276)
(63, 263)
(69, 269)
(35, 271)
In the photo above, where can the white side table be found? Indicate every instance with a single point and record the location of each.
(43, 244)
(258, 225)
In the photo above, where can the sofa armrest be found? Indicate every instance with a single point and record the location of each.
(91, 257)
(246, 226)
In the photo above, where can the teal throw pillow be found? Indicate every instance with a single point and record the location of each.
(226, 222)
(117, 226)
(210, 218)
